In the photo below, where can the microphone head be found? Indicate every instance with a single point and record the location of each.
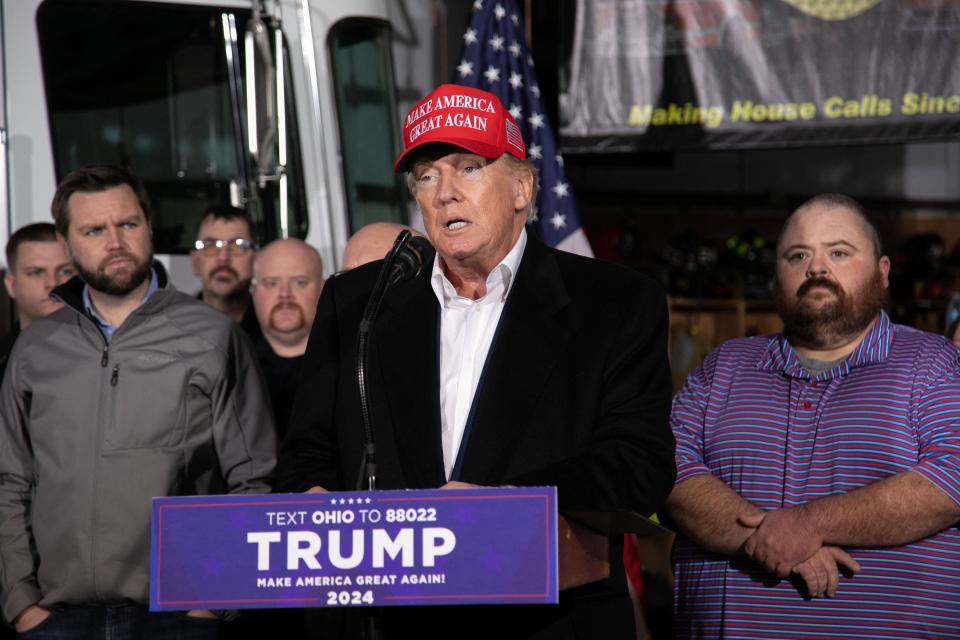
(409, 258)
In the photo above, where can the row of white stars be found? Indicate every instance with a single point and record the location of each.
(498, 11)
(558, 220)
(350, 501)
(496, 43)
(492, 74)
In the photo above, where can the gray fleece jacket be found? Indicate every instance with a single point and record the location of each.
(90, 432)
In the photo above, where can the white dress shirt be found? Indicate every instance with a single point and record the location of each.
(466, 332)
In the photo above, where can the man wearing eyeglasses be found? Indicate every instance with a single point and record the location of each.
(222, 258)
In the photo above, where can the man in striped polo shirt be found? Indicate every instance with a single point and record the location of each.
(818, 470)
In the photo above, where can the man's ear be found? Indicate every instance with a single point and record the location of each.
(523, 183)
(8, 283)
(884, 266)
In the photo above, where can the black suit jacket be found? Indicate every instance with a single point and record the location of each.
(576, 394)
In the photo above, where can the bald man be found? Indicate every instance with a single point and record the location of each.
(287, 280)
(371, 243)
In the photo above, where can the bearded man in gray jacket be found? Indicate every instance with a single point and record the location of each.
(131, 390)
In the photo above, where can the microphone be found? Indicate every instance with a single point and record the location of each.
(409, 258)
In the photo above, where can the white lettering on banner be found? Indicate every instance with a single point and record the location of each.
(332, 517)
(383, 543)
(304, 547)
(263, 539)
(336, 553)
(437, 541)
(308, 553)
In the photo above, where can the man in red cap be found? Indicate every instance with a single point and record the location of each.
(504, 362)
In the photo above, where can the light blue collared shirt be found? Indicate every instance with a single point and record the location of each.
(105, 327)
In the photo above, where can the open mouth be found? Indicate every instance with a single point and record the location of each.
(453, 225)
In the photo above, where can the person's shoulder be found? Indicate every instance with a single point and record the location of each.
(193, 316)
(737, 353)
(353, 287)
(46, 335)
(46, 326)
(931, 353)
(360, 278)
(593, 276)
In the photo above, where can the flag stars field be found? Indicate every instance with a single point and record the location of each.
(501, 63)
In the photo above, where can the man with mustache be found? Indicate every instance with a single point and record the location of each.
(287, 281)
(132, 390)
(223, 259)
(818, 470)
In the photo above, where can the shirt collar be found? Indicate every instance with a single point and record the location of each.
(503, 274)
(779, 355)
(108, 328)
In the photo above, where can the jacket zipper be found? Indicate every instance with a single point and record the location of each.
(104, 361)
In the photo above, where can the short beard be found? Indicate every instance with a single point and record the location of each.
(832, 323)
(119, 284)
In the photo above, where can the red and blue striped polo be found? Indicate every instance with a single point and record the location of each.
(752, 416)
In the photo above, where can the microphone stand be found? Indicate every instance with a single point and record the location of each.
(367, 475)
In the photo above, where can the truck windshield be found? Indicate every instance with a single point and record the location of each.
(362, 75)
(148, 85)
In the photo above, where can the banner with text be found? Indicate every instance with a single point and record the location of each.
(662, 74)
(384, 548)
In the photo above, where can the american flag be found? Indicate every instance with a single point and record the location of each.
(495, 59)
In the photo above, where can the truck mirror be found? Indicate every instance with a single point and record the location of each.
(261, 97)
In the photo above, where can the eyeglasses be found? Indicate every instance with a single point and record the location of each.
(211, 247)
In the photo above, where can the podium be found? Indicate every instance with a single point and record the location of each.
(583, 542)
(383, 548)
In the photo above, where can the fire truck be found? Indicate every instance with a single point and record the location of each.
(283, 107)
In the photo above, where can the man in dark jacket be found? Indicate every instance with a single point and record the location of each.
(502, 362)
(131, 390)
(287, 281)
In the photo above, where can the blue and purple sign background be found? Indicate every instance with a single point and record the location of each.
(384, 548)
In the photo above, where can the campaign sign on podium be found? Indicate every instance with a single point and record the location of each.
(383, 548)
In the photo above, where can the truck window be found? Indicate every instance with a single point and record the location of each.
(148, 85)
(362, 72)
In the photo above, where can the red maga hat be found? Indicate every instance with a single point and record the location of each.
(465, 117)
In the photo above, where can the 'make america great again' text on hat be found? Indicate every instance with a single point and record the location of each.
(465, 117)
